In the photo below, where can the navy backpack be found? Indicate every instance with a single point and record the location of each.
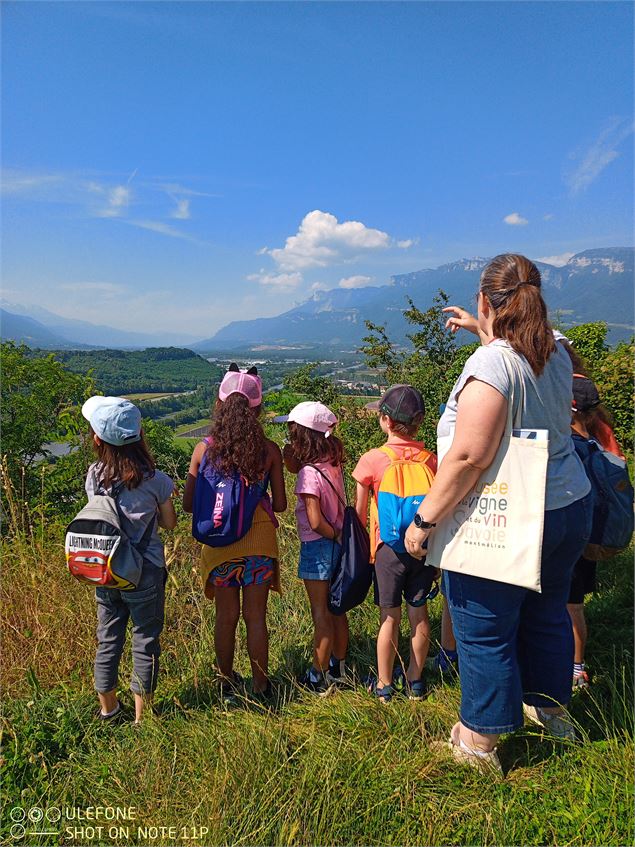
(612, 493)
(353, 574)
(224, 506)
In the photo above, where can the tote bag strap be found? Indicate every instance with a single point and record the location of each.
(516, 399)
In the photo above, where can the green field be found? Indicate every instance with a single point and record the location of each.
(150, 395)
(342, 769)
(180, 430)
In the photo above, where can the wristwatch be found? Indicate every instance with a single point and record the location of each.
(421, 524)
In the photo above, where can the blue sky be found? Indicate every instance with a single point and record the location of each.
(180, 165)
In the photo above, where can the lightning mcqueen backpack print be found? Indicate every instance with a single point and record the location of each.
(98, 551)
(224, 506)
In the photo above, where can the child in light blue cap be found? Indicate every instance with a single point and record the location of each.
(126, 470)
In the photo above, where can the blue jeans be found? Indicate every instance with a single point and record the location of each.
(516, 645)
(145, 606)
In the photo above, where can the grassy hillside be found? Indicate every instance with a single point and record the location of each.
(337, 770)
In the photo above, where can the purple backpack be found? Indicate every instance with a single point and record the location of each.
(224, 506)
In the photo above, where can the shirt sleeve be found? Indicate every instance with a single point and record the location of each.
(165, 486)
(307, 482)
(89, 485)
(363, 472)
(486, 364)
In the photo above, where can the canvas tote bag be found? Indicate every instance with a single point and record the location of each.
(495, 531)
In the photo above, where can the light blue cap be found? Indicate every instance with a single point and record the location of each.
(115, 420)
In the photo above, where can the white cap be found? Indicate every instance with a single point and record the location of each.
(312, 415)
(115, 420)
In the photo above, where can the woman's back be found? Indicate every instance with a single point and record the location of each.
(547, 406)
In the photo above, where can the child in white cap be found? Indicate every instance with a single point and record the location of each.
(317, 456)
(126, 470)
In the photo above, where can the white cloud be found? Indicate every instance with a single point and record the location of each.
(96, 195)
(558, 261)
(514, 219)
(319, 286)
(182, 210)
(590, 162)
(118, 199)
(14, 181)
(407, 242)
(161, 228)
(283, 281)
(322, 241)
(548, 217)
(358, 281)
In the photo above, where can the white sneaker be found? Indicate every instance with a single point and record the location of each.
(485, 762)
(559, 726)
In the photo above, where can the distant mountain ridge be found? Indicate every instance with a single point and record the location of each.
(48, 330)
(593, 285)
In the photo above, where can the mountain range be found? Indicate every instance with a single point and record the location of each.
(38, 327)
(592, 285)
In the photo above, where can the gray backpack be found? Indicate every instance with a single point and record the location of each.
(98, 551)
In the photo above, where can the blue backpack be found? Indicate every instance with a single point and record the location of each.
(224, 506)
(353, 573)
(612, 493)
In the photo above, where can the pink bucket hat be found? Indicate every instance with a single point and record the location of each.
(312, 415)
(237, 382)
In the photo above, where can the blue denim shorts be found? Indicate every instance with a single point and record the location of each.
(318, 558)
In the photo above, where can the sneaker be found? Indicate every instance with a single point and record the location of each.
(485, 762)
(231, 689)
(416, 690)
(319, 686)
(559, 726)
(336, 674)
(581, 681)
(115, 717)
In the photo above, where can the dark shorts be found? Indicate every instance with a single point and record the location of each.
(583, 580)
(241, 573)
(397, 576)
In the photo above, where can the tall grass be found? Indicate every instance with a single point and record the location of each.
(336, 770)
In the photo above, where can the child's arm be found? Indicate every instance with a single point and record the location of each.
(190, 482)
(361, 502)
(317, 521)
(276, 477)
(167, 515)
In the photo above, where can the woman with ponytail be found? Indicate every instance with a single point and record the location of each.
(515, 646)
(237, 444)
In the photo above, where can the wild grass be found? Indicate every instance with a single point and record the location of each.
(337, 770)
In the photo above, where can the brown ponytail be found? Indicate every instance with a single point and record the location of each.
(512, 284)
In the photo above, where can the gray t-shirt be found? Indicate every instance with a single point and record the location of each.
(138, 506)
(547, 406)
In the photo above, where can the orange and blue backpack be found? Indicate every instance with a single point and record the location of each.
(402, 489)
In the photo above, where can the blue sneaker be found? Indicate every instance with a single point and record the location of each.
(308, 680)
